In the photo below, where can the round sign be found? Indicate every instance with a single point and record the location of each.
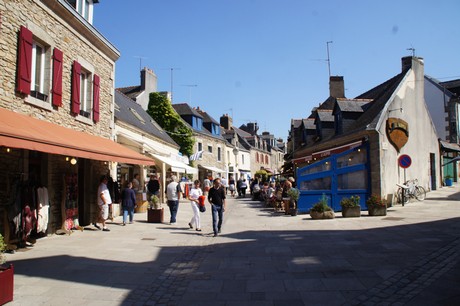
(404, 161)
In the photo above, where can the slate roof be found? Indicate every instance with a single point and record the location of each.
(183, 109)
(131, 91)
(130, 112)
(309, 123)
(206, 117)
(352, 105)
(325, 115)
(295, 123)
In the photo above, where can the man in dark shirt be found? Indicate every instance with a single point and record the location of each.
(216, 197)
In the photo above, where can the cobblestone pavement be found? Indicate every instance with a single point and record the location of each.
(409, 257)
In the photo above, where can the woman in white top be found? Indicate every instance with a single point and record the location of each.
(193, 195)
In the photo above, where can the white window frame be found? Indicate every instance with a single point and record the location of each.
(44, 40)
(86, 87)
(85, 9)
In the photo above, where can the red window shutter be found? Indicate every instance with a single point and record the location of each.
(24, 61)
(76, 73)
(96, 87)
(57, 77)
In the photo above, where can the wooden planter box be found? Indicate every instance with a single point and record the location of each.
(6, 284)
(377, 211)
(155, 215)
(322, 215)
(351, 212)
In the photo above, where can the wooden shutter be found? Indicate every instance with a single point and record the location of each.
(96, 87)
(76, 74)
(24, 61)
(57, 77)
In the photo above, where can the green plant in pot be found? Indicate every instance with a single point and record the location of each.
(154, 202)
(350, 206)
(321, 210)
(294, 195)
(376, 206)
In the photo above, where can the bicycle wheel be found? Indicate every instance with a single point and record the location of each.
(402, 196)
(420, 193)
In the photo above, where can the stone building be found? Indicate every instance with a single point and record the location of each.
(57, 116)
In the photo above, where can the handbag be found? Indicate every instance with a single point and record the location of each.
(202, 208)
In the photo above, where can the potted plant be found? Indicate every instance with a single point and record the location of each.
(155, 213)
(376, 206)
(294, 195)
(448, 180)
(6, 276)
(321, 210)
(351, 207)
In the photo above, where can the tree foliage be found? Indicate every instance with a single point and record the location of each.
(161, 110)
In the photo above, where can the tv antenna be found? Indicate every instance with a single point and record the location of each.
(412, 50)
(172, 80)
(140, 61)
(328, 58)
(190, 92)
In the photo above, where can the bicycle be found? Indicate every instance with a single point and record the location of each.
(410, 189)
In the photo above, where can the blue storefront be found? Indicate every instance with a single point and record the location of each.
(339, 175)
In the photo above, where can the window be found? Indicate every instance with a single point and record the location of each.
(85, 93)
(200, 146)
(242, 159)
(84, 8)
(219, 156)
(39, 73)
(215, 129)
(210, 149)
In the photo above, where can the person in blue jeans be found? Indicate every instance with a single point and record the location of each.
(128, 202)
(216, 197)
(173, 192)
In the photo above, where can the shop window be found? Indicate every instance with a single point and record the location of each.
(323, 183)
(356, 157)
(321, 167)
(352, 180)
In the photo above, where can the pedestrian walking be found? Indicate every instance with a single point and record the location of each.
(128, 202)
(231, 186)
(173, 192)
(217, 197)
(207, 185)
(104, 200)
(193, 195)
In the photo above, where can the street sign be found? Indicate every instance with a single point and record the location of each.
(404, 161)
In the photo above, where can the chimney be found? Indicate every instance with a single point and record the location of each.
(408, 61)
(148, 80)
(226, 122)
(336, 87)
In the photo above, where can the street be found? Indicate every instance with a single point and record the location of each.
(409, 257)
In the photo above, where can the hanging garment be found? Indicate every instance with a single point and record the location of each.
(43, 211)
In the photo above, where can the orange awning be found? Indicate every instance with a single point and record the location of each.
(24, 132)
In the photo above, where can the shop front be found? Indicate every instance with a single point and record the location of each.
(51, 176)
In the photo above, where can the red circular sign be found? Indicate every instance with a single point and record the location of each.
(404, 161)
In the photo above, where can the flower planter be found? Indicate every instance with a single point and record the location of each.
(448, 182)
(377, 211)
(351, 212)
(7, 284)
(322, 215)
(155, 215)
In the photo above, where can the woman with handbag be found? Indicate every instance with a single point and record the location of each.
(193, 196)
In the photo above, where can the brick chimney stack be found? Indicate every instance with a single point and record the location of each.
(226, 121)
(336, 87)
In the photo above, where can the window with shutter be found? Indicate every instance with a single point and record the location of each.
(96, 87)
(24, 61)
(57, 77)
(76, 72)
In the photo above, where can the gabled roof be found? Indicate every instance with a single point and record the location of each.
(183, 109)
(130, 112)
(131, 91)
(325, 115)
(309, 123)
(295, 123)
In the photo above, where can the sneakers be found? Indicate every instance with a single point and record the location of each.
(190, 225)
(105, 229)
(96, 226)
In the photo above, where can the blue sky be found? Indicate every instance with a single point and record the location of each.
(264, 61)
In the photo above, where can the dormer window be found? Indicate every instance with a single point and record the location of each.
(215, 129)
(197, 123)
(84, 8)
